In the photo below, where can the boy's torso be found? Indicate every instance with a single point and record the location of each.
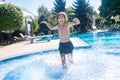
(64, 32)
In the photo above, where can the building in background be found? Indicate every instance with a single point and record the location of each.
(28, 22)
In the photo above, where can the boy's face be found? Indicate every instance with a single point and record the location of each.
(61, 19)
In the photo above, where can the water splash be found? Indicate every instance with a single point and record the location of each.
(87, 65)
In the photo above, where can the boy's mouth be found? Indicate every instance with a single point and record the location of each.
(61, 21)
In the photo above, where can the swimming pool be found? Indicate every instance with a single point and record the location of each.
(100, 62)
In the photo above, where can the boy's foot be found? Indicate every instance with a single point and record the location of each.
(71, 61)
(70, 58)
(64, 66)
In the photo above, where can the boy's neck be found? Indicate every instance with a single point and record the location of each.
(62, 24)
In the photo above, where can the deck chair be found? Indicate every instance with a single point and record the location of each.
(16, 39)
(23, 37)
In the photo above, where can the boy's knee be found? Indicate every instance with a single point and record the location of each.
(63, 58)
(69, 56)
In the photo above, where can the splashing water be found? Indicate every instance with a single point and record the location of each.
(87, 65)
(101, 62)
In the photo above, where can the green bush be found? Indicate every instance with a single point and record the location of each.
(11, 17)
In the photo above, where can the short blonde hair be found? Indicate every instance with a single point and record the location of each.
(62, 13)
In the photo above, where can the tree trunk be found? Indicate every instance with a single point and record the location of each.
(1, 37)
(11, 37)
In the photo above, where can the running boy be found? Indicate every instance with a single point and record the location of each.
(63, 26)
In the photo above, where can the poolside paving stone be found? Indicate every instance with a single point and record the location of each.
(25, 47)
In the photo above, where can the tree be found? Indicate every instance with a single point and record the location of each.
(11, 18)
(84, 12)
(105, 12)
(43, 11)
(70, 13)
(116, 7)
(42, 27)
(43, 16)
(51, 20)
(109, 8)
(35, 25)
(59, 6)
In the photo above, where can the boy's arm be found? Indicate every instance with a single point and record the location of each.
(75, 21)
(49, 26)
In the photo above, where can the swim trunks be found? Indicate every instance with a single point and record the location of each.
(66, 47)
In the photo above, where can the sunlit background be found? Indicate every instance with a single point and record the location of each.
(32, 5)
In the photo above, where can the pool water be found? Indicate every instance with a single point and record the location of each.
(100, 62)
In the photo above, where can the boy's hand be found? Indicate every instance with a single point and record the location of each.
(76, 20)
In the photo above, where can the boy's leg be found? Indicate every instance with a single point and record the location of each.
(63, 59)
(70, 57)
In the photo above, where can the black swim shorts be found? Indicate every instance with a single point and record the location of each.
(66, 47)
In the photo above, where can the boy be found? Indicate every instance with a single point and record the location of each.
(63, 26)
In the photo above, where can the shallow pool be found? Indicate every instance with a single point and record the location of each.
(100, 62)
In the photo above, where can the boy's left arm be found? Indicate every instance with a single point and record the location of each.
(75, 21)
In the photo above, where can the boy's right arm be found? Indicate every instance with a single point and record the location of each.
(49, 26)
(75, 21)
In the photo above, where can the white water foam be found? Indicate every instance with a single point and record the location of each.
(87, 65)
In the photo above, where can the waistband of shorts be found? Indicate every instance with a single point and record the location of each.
(65, 42)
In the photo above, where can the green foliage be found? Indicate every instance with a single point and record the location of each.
(109, 8)
(35, 25)
(104, 9)
(43, 16)
(43, 11)
(70, 13)
(59, 6)
(42, 27)
(84, 12)
(118, 24)
(11, 17)
(51, 20)
(102, 23)
(98, 22)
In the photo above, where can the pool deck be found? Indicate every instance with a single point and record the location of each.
(22, 48)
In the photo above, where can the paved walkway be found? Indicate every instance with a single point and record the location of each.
(25, 47)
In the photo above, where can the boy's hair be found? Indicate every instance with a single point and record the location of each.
(62, 13)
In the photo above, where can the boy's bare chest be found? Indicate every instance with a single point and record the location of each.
(63, 29)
